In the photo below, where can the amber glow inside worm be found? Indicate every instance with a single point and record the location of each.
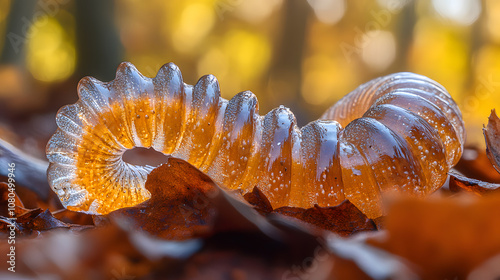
(396, 134)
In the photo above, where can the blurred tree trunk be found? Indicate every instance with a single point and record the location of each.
(404, 37)
(286, 69)
(16, 34)
(477, 39)
(98, 43)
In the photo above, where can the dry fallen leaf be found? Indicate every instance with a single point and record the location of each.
(181, 204)
(492, 138)
(185, 203)
(34, 221)
(28, 222)
(459, 183)
(344, 219)
(445, 238)
(259, 201)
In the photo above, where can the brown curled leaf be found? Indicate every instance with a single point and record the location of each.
(28, 221)
(259, 201)
(44, 221)
(32, 221)
(492, 138)
(344, 219)
(185, 203)
(459, 183)
(444, 238)
(179, 207)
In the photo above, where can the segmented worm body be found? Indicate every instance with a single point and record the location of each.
(402, 134)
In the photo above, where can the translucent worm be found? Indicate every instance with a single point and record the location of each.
(402, 133)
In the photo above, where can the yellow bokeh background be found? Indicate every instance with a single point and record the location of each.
(303, 54)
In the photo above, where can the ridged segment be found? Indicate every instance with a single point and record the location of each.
(433, 116)
(403, 132)
(388, 159)
(431, 91)
(240, 117)
(170, 108)
(357, 102)
(423, 141)
(136, 95)
(201, 122)
(274, 160)
(316, 174)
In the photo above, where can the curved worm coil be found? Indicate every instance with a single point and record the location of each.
(402, 134)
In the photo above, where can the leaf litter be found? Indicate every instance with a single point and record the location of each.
(193, 229)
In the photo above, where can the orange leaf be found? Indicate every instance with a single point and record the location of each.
(445, 238)
(461, 183)
(492, 138)
(185, 203)
(343, 219)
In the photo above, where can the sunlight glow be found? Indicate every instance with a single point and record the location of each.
(379, 51)
(460, 11)
(328, 11)
(195, 21)
(50, 54)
